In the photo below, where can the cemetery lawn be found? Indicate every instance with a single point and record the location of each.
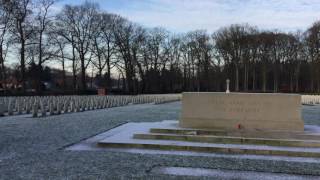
(33, 148)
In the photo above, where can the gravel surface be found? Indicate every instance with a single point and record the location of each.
(33, 148)
(311, 114)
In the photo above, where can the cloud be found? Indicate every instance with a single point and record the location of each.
(186, 15)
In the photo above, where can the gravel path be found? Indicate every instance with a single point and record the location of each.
(33, 148)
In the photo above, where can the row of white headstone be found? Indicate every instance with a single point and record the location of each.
(310, 99)
(53, 105)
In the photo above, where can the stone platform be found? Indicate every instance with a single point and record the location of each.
(167, 135)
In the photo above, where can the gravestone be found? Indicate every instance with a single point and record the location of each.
(2, 109)
(51, 109)
(35, 110)
(10, 108)
(246, 111)
(58, 107)
(28, 107)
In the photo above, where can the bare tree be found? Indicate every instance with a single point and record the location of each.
(313, 47)
(103, 46)
(41, 39)
(80, 22)
(61, 53)
(231, 42)
(22, 29)
(128, 38)
(5, 24)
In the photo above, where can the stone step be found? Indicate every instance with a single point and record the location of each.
(211, 148)
(256, 134)
(122, 137)
(229, 140)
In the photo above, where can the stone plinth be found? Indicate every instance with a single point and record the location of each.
(244, 111)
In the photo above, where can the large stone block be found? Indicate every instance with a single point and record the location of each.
(245, 111)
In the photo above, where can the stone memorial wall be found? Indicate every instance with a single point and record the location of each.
(246, 111)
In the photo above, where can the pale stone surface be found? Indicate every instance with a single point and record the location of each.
(245, 111)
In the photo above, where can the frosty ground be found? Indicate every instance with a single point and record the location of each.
(34, 148)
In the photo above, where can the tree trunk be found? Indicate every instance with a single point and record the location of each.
(297, 85)
(264, 78)
(129, 77)
(22, 64)
(312, 77)
(236, 85)
(2, 67)
(275, 80)
(297, 78)
(63, 76)
(83, 73)
(100, 72)
(74, 69)
(291, 83)
(109, 75)
(38, 78)
(253, 78)
(198, 78)
(245, 79)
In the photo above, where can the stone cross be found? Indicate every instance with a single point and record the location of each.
(228, 83)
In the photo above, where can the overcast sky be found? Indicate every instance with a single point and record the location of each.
(186, 15)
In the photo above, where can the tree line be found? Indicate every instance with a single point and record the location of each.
(151, 60)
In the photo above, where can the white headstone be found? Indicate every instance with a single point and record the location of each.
(65, 107)
(10, 108)
(35, 110)
(58, 107)
(51, 109)
(43, 109)
(2, 109)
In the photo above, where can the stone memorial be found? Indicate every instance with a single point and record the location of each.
(245, 111)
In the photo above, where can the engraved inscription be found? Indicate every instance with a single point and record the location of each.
(239, 105)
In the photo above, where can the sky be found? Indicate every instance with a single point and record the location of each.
(187, 15)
